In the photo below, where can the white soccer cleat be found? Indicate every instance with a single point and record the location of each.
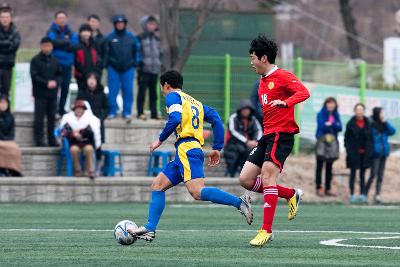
(245, 208)
(142, 233)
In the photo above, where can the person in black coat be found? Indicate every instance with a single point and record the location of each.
(10, 40)
(93, 93)
(244, 131)
(7, 125)
(98, 38)
(359, 148)
(255, 102)
(46, 75)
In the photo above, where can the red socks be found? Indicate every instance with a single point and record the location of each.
(257, 186)
(270, 200)
(283, 192)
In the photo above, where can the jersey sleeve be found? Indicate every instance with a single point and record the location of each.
(174, 108)
(298, 90)
(211, 116)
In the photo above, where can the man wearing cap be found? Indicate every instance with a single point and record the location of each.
(46, 75)
(122, 56)
(10, 40)
(64, 40)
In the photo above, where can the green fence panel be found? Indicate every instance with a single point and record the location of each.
(204, 80)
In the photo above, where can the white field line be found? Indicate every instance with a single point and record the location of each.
(201, 230)
(207, 206)
(337, 242)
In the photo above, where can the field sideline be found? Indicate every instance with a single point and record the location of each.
(78, 234)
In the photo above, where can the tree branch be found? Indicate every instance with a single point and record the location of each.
(206, 7)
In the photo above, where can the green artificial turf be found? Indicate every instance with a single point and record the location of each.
(80, 234)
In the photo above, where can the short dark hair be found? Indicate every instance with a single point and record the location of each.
(173, 78)
(262, 45)
(93, 16)
(85, 28)
(45, 40)
(359, 104)
(60, 12)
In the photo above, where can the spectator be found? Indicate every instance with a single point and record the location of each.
(83, 131)
(86, 57)
(46, 75)
(94, 94)
(381, 130)
(122, 56)
(327, 148)
(255, 102)
(64, 40)
(149, 67)
(359, 148)
(9, 43)
(10, 154)
(98, 38)
(244, 131)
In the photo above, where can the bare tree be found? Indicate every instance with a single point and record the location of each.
(175, 58)
(349, 25)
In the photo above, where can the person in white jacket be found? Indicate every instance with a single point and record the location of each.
(82, 129)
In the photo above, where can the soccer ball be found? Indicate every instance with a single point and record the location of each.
(121, 232)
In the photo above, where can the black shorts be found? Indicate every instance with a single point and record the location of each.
(274, 147)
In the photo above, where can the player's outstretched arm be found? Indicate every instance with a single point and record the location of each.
(211, 116)
(174, 108)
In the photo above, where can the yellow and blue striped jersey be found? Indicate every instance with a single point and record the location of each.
(186, 117)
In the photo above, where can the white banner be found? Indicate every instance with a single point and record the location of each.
(23, 88)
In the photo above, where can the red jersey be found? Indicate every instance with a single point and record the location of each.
(282, 85)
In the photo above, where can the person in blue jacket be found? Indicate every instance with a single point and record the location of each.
(64, 40)
(328, 122)
(122, 57)
(381, 130)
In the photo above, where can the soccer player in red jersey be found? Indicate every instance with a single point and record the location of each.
(279, 92)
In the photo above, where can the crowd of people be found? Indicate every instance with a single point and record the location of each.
(85, 55)
(366, 144)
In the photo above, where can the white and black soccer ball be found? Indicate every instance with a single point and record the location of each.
(121, 232)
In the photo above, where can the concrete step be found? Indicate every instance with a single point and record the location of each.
(115, 189)
(118, 132)
(42, 162)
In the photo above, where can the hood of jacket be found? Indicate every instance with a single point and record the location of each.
(143, 22)
(244, 103)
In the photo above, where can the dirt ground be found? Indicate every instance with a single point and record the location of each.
(300, 172)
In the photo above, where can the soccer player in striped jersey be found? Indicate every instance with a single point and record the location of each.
(186, 117)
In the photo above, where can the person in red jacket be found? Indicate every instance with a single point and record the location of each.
(279, 91)
(87, 59)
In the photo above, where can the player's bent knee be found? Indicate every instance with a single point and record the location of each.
(160, 183)
(245, 182)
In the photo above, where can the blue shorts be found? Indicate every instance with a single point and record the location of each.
(188, 163)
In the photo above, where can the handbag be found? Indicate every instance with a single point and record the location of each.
(327, 148)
